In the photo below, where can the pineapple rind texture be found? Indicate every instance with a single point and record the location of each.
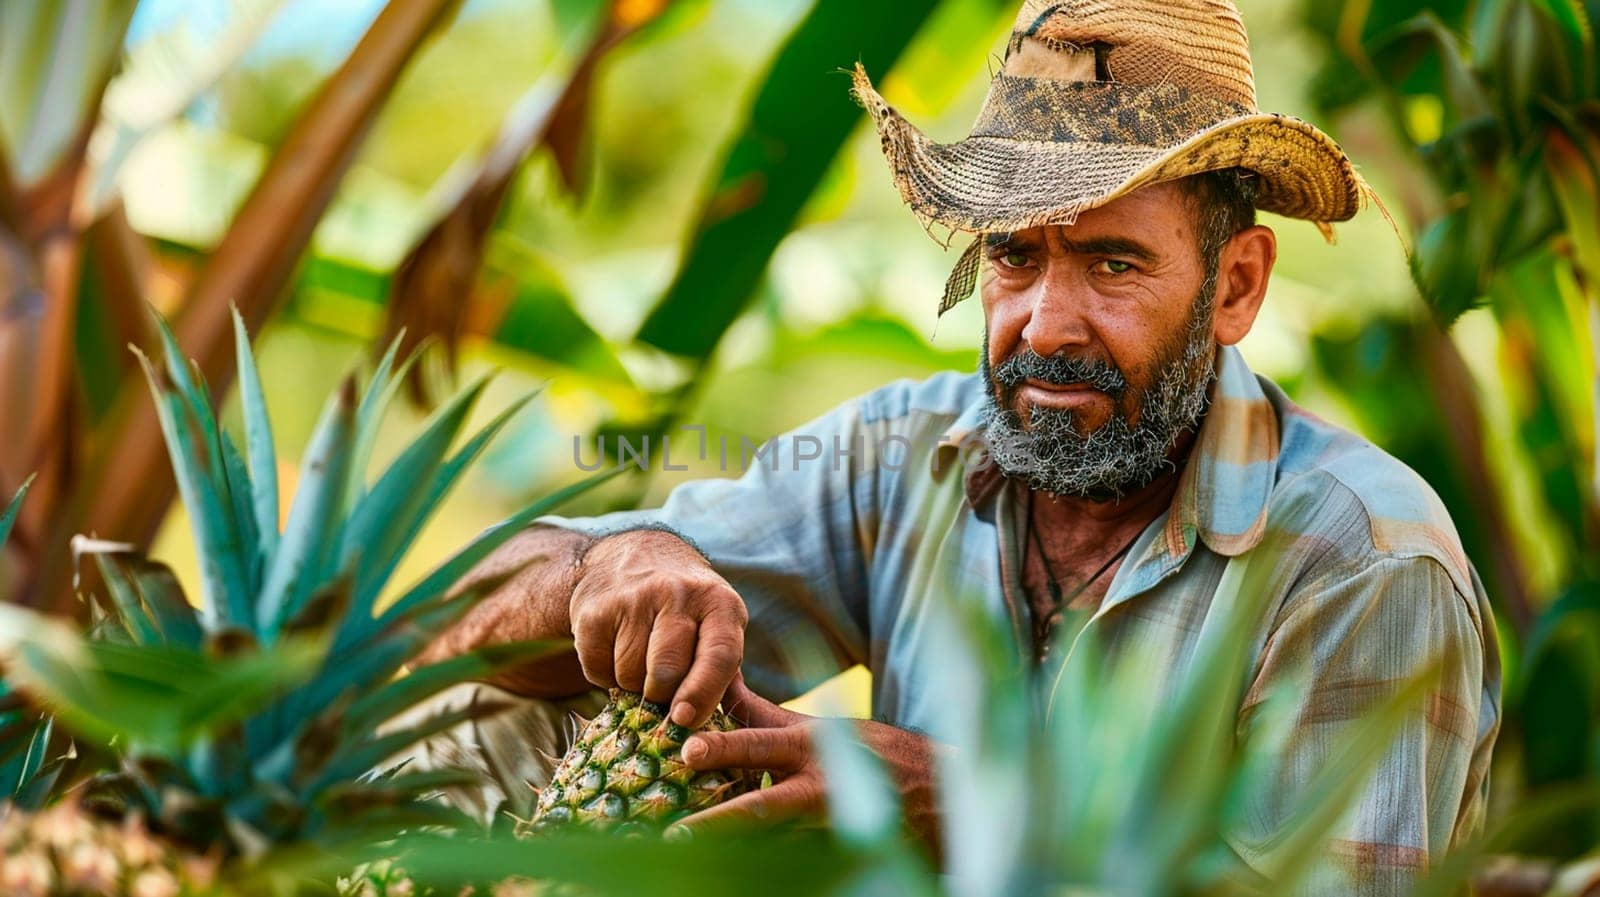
(625, 772)
(65, 851)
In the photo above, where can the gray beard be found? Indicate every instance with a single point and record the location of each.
(1051, 455)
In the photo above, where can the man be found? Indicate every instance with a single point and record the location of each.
(1127, 457)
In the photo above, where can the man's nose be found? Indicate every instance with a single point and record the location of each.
(1057, 319)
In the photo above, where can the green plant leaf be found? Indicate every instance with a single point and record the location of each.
(368, 659)
(380, 522)
(240, 494)
(710, 866)
(452, 570)
(127, 605)
(1448, 261)
(369, 587)
(152, 589)
(159, 697)
(375, 401)
(8, 518)
(1572, 158)
(1190, 743)
(263, 454)
(298, 569)
(863, 806)
(223, 580)
(1572, 18)
(412, 688)
(359, 758)
(795, 128)
(1399, 48)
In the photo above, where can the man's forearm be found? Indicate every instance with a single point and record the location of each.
(532, 604)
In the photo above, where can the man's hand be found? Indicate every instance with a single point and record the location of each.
(650, 615)
(780, 741)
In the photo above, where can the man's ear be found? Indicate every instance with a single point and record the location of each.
(1242, 275)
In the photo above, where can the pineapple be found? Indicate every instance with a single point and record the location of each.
(62, 850)
(623, 772)
(249, 721)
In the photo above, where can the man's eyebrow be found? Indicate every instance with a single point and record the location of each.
(1121, 246)
(1116, 246)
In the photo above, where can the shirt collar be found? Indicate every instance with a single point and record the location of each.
(1224, 489)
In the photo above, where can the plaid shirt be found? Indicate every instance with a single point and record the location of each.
(842, 535)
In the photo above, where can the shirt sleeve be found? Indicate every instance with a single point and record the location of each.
(1349, 642)
(792, 535)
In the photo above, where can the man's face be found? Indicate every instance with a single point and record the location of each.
(1099, 346)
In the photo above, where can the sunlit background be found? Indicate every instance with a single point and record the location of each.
(848, 304)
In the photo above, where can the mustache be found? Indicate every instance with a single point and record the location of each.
(1060, 370)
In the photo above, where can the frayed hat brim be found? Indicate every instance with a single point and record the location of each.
(989, 184)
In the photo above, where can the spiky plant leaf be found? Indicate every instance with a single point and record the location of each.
(128, 608)
(8, 518)
(448, 474)
(255, 720)
(380, 521)
(223, 579)
(375, 401)
(213, 753)
(356, 759)
(157, 696)
(263, 454)
(237, 476)
(377, 658)
(34, 753)
(300, 562)
(459, 564)
(371, 710)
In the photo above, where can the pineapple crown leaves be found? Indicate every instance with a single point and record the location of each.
(156, 697)
(287, 767)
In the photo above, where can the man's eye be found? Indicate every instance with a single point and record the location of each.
(1015, 260)
(1112, 266)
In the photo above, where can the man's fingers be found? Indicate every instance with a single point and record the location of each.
(594, 642)
(629, 654)
(752, 709)
(792, 799)
(672, 641)
(718, 651)
(778, 750)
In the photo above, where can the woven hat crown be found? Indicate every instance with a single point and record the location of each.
(1199, 45)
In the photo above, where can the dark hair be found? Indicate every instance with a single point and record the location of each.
(1224, 204)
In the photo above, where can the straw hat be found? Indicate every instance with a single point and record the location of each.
(1098, 98)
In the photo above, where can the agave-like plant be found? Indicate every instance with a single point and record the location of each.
(259, 722)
